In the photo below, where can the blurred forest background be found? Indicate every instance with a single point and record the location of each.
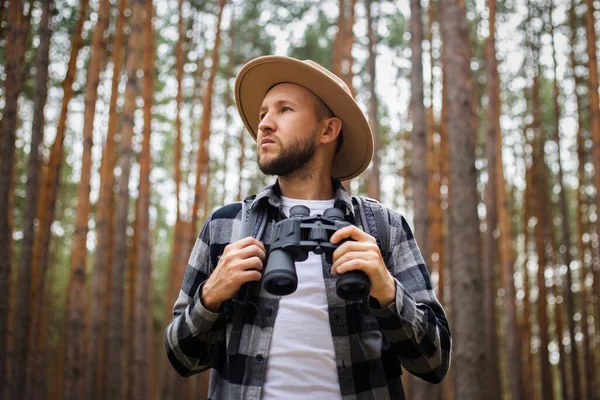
(120, 134)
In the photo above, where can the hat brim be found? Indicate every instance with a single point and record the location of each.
(258, 76)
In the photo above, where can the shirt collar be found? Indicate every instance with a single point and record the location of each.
(272, 194)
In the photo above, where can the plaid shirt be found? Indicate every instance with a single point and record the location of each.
(371, 343)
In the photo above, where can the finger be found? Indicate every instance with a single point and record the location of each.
(249, 263)
(250, 275)
(350, 232)
(245, 242)
(353, 246)
(251, 251)
(353, 255)
(356, 264)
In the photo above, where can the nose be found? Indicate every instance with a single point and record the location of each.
(267, 124)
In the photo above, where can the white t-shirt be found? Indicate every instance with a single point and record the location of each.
(301, 362)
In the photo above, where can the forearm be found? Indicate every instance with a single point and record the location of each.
(418, 333)
(191, 337)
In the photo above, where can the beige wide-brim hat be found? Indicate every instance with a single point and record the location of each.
(258, 76)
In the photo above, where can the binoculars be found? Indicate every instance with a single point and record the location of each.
(294, 237)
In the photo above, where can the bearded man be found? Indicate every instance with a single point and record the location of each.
(310, 134)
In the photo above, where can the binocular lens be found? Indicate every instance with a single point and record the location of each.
(353, 285)
(280, 277)
(280, 286)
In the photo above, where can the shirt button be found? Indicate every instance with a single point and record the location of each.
(269, 312)
(259, 358)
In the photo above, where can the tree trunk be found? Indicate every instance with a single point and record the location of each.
(47, 203)
(541, 238)
(179, 62)
(582, 227)
(373, 178)
(338, 44)
(228, 101)
(419, 154)
(202, 165)
(493, 155)
(507, 258)
(142, 362)
(176, 387)
(594, 117)
(566, 233)
(23, 318)
(17, 28)
(347, 58)
(465, 248)
(103, 254)
(526, 334)
(420, 157)
(2, 9)
(241, 161)
(114, 376)
(75, 311)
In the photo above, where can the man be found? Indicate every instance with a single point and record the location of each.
(311, 344)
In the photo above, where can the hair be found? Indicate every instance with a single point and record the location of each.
(322, 112)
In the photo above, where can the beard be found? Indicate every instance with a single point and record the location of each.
(292, 159)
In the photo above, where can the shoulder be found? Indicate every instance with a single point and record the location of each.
(219, 225)
(227, 212)
(399, 228)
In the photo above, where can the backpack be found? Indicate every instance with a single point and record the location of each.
(369, 212)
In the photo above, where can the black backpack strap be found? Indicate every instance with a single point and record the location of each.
(375, 222)
(254, 222)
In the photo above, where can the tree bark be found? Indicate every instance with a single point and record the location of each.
(490, 250)
(24, 317)
(420, 157)
(142, 361)
(338, 44)
(75, 310)
(582, 227)
(594, 120)
(202, 165)
(179, 63)
(47, 204)
(17, 28)
(527, 365)
(566, 233)
(539, 195)
(114, 376)
(103, 254)
(465, 248)
(347, 58)
(227, 101)
(373, 178)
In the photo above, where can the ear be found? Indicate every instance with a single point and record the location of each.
(333, 127)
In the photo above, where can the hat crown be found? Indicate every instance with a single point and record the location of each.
(330, 74)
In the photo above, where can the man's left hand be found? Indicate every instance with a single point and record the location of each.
(362, 254)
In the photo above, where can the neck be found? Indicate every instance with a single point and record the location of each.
(311, 187)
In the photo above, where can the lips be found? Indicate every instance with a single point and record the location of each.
(266, 141)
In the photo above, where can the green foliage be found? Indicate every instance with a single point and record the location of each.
(317, 44)
(397, 26)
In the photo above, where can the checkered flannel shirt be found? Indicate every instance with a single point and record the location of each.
(371, 343)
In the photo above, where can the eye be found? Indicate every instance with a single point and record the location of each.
(283, 109)
(261, 116)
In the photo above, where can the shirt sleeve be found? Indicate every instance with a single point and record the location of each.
(415, 323)
(192, 336)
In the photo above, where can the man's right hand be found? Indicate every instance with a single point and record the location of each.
(240, 262)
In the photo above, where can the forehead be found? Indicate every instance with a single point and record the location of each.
(289, 92)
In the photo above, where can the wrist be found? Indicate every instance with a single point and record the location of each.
(208, 300)
(388, 296)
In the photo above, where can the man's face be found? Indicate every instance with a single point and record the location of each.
(287, 131)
